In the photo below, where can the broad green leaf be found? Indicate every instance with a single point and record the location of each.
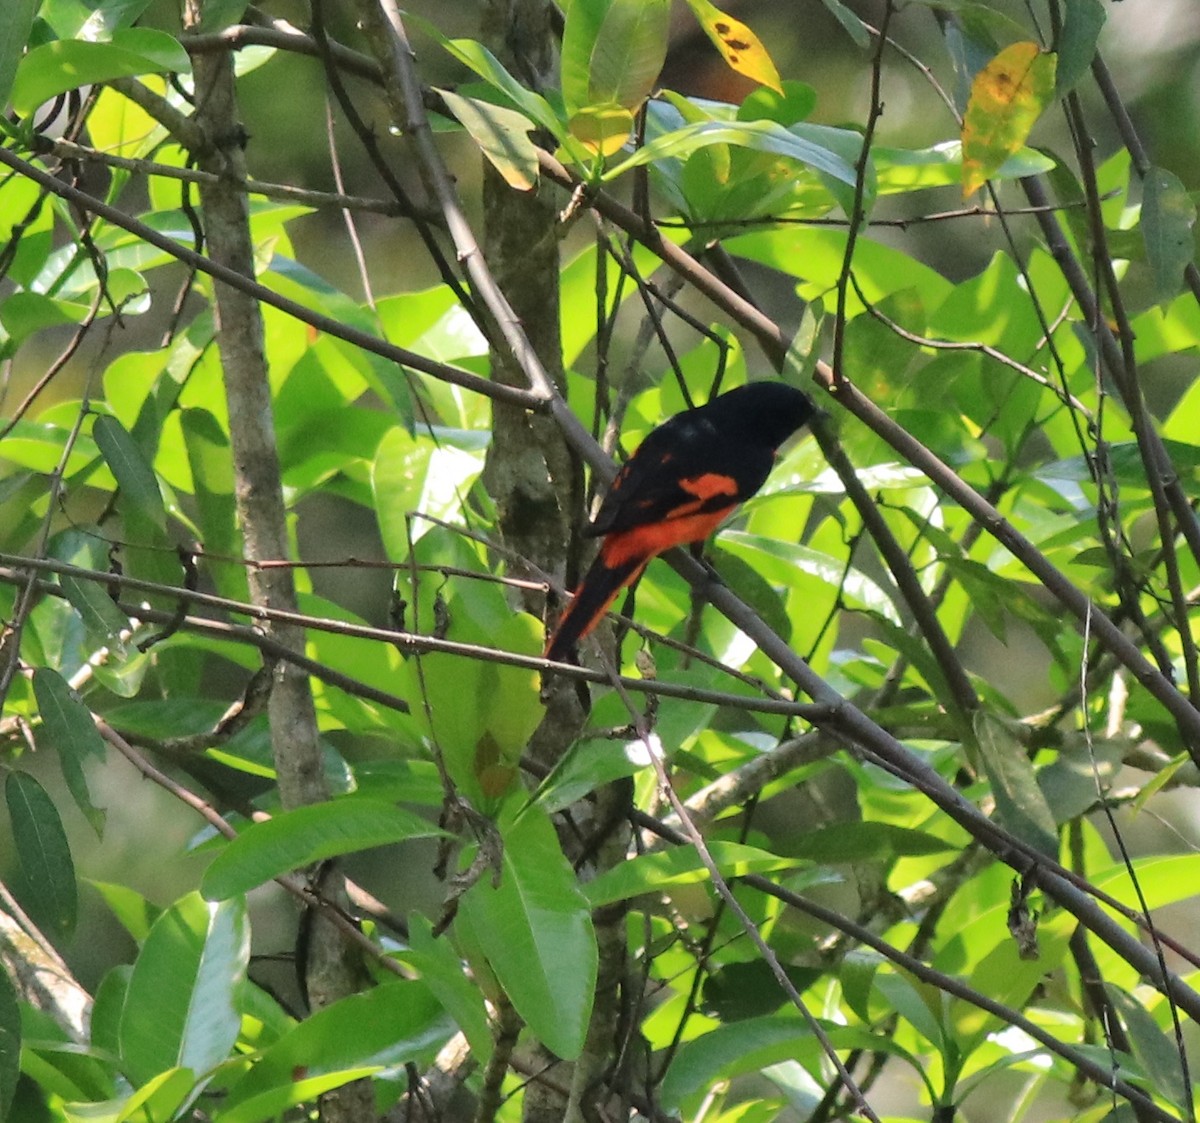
(104, 621)
(681, 865)
(181, 1005)
(47, 871)
(10, 1043)
(513, 708)
(536, 931)
(132, 470)
(868, 841)
(297, 838)
(741, 49)
(1157, 1053)
(66, 64)
(1007, 97)
(502, 135)
(612, 52)
(730, 1050)
(444, 973)
(67, 728)
(1006, 977)
(389, 1026)
(806, 143)
(25, 313)
(211, 465)
(1020, 805)
(16, 21)
(413, 475)
(585, 767)
(158, 1098)
(274, 1103)
(1168, 215)
(136, 914)
(1076, 47)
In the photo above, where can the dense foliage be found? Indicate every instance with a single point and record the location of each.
(835, 825)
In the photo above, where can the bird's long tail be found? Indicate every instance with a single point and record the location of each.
(595, 593)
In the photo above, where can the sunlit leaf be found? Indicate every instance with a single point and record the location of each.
(502, 135)
(739, 46)
(65, 64)
(1007, 97)
(181, 1005)
(612, 52)
(603, 129)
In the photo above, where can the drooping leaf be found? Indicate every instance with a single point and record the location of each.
(1168, 215)
(305, 835)
(741, 49)
(47, 871)
(66, 64)
(502, 135)
(1076, 47)
(1020, 804)
(1007, 97)
(181, 1004)
(16, 21)
(67, 728)
(536, 931)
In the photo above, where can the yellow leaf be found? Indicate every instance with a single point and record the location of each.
(602, 129)
(739, 46)
(1007, 97)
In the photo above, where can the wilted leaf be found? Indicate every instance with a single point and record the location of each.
(1007, 97)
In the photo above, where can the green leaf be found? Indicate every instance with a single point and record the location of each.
(1020, 805)
(67, 728)
(1168, 215)
(101, 617)
(612, 52)
(273, 1104)
(181, 1003)
(536, 931)
(16, 22)
(729, 1050)
(414, 475)
(1007, 97)
(10, 1044)
(1076, 47)
(502, 135)
(47, 871)
(136, 914)
(851, 24)
(868, 841)
(445, 974)
(211, 466)
(806, 143)
(1157, 1053)
(127, 462)
(66, 64)
(304, 835)
(389, 1026)
(681, 865)
(159, 1097)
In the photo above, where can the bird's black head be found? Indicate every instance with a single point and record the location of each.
(764, 413)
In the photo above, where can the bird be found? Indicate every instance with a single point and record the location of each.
(676, 489)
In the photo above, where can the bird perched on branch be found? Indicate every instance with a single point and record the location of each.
(679, 485)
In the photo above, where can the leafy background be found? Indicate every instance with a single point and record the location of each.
(877, 924)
